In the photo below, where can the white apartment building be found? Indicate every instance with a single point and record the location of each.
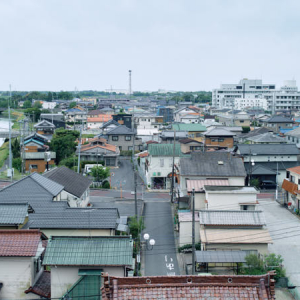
(287, 98)
(242, 103)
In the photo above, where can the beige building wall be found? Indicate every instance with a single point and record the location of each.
(185, 233)
(78, 232)
(63, 277)
(15, 274)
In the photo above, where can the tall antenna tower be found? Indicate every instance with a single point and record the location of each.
(129, 83)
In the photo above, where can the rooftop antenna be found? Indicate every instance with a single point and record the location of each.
(130, 84)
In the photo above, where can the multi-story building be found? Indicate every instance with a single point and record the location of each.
(242, 103)
(286, 98)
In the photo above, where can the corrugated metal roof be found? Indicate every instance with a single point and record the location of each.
(164, 150)
(231, 217)
(221, 256)
(89, 251)
(188, 127)
(187, 216)
(13, 213)
(198, 184)
(51, 186)
(265, 149)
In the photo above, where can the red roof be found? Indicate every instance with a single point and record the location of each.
(189, 287)
(295, 170)
(20, 242)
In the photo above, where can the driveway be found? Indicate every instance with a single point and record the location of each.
(284, 229)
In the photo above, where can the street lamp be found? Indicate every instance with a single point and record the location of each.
(148, 242)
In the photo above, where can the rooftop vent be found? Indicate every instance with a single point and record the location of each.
(220, 162)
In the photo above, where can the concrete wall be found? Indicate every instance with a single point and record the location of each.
(185, 233)
(41, 165)
(15, 274)
(200, 201)
(63, 277)
(228, 201)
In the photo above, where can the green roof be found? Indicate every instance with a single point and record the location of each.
(164, 150)
(89, 251)
(188, 127)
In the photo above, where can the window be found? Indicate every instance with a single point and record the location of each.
(241, 121)
(292, 178)
(127, 138)
(247, 207)
(161, 162)
(214, 140)
(115, 138)
(221, 140)
(130, 148)
(33, 166)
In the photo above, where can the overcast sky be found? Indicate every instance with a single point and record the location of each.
(168, 44)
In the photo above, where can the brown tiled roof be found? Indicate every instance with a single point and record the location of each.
(290, 186)
(295, 170)
(20, 242)
(189, 287)
(43, 286)
(100, 118)
(103, 146)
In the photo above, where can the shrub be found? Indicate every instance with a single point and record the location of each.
(106, 185)
(17, 163)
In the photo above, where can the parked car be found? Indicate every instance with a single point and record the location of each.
(268, 185)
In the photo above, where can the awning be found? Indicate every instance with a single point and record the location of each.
(221, 256)
(198, 184)
(290, 187)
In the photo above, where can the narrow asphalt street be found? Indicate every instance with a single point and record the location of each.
(284, 228)
(161, 260)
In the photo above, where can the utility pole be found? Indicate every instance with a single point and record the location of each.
(9, 130)
(133, 164)
(277, 182)
(172, 182)
(79, 147)
(129, 84)
(193, 231)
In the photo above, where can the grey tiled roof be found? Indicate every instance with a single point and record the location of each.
(28, 190)
(206, 164)
(278, 119)
(267, 137)
(120, 130)
(232, 217)
(13, 213)
(73, 182)
(76, 218)
(219, 132)
(51, 186)
(265, 149)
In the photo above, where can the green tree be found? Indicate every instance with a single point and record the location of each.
(274, 262)
(65, 95)
(246, 129)
(72, 104)
(17, 163)
(27, 104)
(135, 228)
(34, 113)
(37, 104)
(15, 147)
(255, 265)
(100, 173)
(63, 143)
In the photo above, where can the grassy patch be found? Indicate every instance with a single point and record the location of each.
(4, 151)
(17, 175)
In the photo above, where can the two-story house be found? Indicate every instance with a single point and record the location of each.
(263, 160)
(97, 122)
(156, 165)
(44, 127)
(211, 165)
(278, 123)
(76, 188)
(179, 113)
(122, 137)
(36, 153)
(219, 138)
(99, 150)
(195, 131)
(21, 256)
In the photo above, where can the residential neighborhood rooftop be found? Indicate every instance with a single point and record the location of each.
(265, 149)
